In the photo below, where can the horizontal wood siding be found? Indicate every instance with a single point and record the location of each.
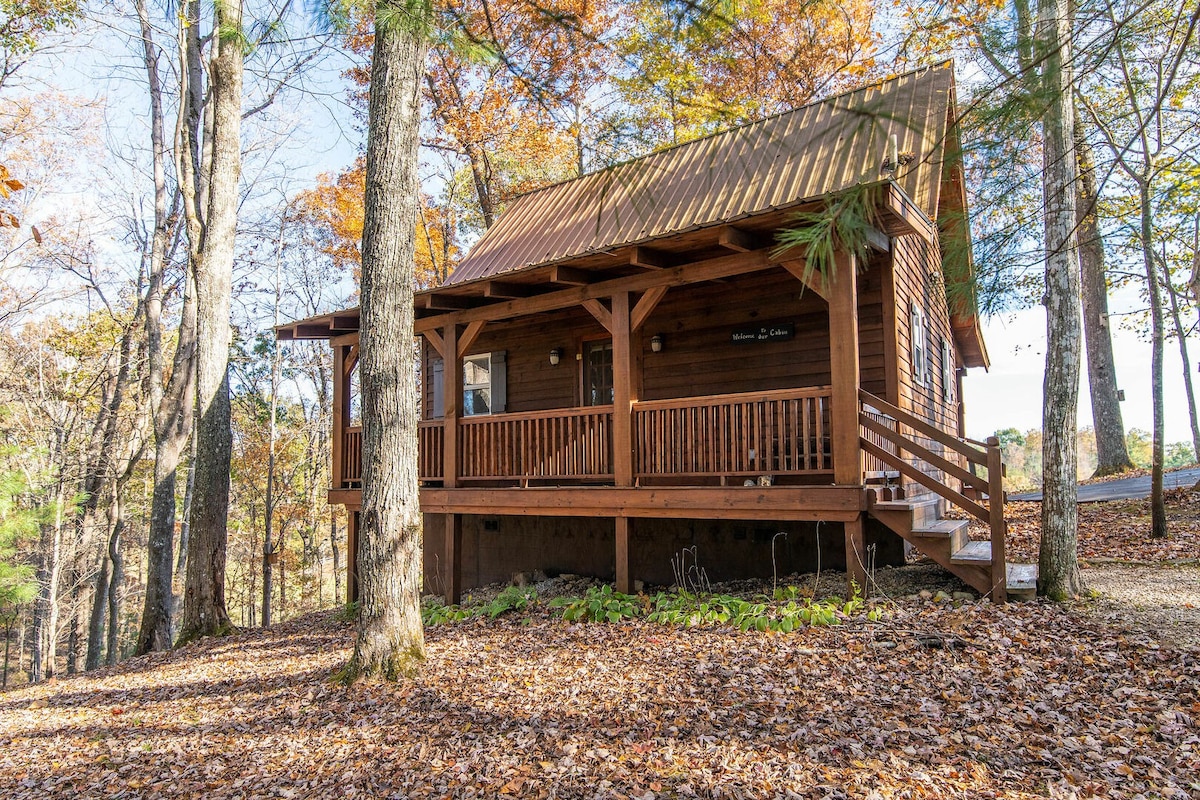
(919, 279)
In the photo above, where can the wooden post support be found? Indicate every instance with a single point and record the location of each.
(843, 366)
(340, 417)
(351, 556)
(856, 570)
(453, 559)
(622, 391)
(999, 528)
(451, 402)
(624, 580)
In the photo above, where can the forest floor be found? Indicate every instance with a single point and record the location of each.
(944, 698)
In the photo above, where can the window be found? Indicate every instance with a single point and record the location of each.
(920, 349)
(949, 372)
(598, 374)
(483, 385)
(477, 385)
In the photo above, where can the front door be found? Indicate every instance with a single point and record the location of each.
(598, 373)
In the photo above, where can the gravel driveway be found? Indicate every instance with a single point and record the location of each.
(1161, 600)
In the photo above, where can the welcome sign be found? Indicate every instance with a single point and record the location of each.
(776, 332)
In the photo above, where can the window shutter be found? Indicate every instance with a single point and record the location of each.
(439, 399)
(919, 355)
(949, 373)
(499, 381)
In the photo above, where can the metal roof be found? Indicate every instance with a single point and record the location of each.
(775, 163)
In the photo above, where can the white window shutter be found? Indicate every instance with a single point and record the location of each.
(499, 381)
(439, 399)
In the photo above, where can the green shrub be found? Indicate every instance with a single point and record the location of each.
(599, 604)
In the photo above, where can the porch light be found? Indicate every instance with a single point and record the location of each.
(555, 355)
(656, 342)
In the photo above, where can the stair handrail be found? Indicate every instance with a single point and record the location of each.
(990, 457)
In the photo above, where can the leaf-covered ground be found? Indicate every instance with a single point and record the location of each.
(938, 702)
(1116, 530)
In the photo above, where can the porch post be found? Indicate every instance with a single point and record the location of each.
(624, 581)
(451, 401)
(622, 391)
(623, 397)
(843, 366)
(856, 570)
(453, 550)
(340, 416)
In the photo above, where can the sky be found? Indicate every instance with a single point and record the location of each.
(1009, 394)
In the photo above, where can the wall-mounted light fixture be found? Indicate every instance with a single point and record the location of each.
(656, 342)
(555, 356)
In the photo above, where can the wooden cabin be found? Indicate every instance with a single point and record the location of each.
(627, 378)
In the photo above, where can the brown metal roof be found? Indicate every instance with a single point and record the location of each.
(775, 163)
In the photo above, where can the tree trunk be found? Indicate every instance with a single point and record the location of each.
(172, 408)
(113, 644)
(185, 519)
(337, 578)
(390, 641)
(1058, 564)
(1158, 508)
(95, 638)
(204, 611)
(1112, 456)
(1181, 335)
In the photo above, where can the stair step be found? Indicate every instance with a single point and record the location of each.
(973, 553)
(953, 529)
(920, 510)
(1022, 581)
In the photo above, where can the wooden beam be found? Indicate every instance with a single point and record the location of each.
(877, 239)
(809, 277)
(856, 569)
(698, 272)
(351, 556)
(649, 258)
(435, 339)
(451, 403)
(844, 368)
(506, 290)
(602, 314)
(624, 580)
(570, 275)
(781, 503)
(446, 302)
(453, 547)
(469, 336)
(740, 241)
(622, 429)
(645, 307)
(340, 415)
(351, 359)
(344, 322)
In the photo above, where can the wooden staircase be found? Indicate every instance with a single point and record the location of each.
(921, 520)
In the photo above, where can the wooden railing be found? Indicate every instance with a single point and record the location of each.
(757, 433)
(352, 456)
(430, 436)
(872, 464)
(560, 443)
(988, 457)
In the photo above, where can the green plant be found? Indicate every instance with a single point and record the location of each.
(599, 604)
(513, 598)
(349, 612)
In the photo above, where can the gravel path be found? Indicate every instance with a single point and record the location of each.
(1162, 599)
(1123, 488)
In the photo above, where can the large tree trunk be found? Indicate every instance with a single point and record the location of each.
(113, 644)
(1058, 564)
(204, 612)
(1112, 456)
(172, 409)
(390, 641)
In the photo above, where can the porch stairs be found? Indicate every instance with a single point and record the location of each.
(954, 471)
(919, 522)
